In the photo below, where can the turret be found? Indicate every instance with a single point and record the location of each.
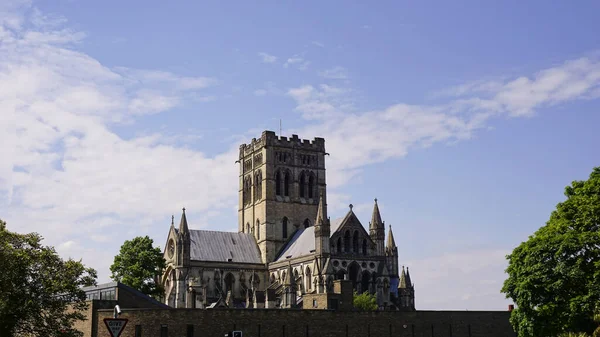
(391, 253)
(183, 244)
(322, 228)
(406, 292)
(377, 230)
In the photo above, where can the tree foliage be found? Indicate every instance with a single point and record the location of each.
(554, 276)
(137, 265)
(40, 294)
(365, 301)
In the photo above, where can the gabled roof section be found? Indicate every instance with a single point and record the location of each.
(338, 224)
(223, 246)
(300, 244)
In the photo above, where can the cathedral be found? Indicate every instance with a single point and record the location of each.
(286, 248)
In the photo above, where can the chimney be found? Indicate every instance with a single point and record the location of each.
(511, 307)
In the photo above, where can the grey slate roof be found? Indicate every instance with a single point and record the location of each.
(222, 246)
(303, 241)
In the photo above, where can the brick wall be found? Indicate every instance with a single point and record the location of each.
(303, 323)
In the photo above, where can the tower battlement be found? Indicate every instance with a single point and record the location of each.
(269, 138)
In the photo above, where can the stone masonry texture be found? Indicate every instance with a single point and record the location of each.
(308, 323)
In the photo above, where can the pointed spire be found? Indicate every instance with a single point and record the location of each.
(172, 220)
(391, 244)
(408, 281)
(183, 225)
(321, 211)
(402, 283)
(376, 217)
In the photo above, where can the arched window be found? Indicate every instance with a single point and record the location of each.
(339, 245)
(355, 242)
(257, 229)
(308, 275)
(246, 190)
(311, 184)
(258, 185)
(306, 223)
(347, 242)
(278, 183)
(302, 184)
(229, 281)
(286, 184)
(364, 247)
(284, 229)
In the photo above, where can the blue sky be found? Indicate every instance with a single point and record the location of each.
(465, 119)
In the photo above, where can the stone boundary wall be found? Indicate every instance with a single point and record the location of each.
(309, 323)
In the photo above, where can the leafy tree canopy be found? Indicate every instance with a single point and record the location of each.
(554, 276)
(137, 265)
(365, 301)
(39, 290)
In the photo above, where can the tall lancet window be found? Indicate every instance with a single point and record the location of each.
(278, 183)
(284, 227)
(311, 184)
(302, 184)
(286, 184)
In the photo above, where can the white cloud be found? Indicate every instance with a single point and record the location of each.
(267, 58)
(298, 62)
(318, 44)
(335, 73)
(64, 172)
(356, 139)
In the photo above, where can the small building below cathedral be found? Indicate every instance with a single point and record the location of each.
(287, 248)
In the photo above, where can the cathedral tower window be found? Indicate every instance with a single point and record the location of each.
(306, 223)
(347, 242)
(247, 227)
(284, 227)
(355, 242)
(302, 184)
(257, 229)
(258, 185)
(278, 183)
(247, 188)
(364, 247)
(286, 184)
(339, 245)
(311, 184)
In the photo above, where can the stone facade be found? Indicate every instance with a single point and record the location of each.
(286, 245)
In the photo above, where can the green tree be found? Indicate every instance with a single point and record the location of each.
(554, 276)
(137, 265)
(365, 301)
(40, 293)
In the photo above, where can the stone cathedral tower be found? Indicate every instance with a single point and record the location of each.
(281, 180)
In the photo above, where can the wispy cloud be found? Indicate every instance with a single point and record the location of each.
(362, 138)
(335, 73)
(297, 62)
(318, 44)
(267, 58)
(60, 158)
